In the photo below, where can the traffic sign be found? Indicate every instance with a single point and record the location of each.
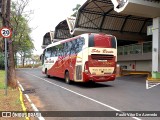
(5, 32)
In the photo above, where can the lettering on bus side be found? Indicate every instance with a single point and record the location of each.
(95, 51)
(106, 51)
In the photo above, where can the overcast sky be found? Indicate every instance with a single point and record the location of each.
(47, 14)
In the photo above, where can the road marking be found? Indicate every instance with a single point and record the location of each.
(113, 108)
(150, 85)
(33, 106)
(22, 103)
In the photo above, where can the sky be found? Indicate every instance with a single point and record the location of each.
(47, 15)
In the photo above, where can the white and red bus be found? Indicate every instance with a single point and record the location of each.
(87, 57)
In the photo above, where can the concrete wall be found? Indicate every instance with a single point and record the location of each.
(137, 65)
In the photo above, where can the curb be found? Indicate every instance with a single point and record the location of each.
(29, 100)
(22, 103)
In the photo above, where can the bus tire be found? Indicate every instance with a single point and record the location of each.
(67, 79)
(48, 76)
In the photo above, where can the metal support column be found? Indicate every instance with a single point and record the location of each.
(156, 49)
(6, 67)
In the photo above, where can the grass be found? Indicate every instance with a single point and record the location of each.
(11, 101)
(2, 79)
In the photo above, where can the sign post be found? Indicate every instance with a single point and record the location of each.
(5, 33)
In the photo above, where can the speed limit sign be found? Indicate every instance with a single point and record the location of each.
(5, 32)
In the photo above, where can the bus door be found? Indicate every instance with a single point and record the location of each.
(78, 67)
(79, 51)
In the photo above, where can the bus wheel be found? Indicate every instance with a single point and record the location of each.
(48, 76)
(67, 79)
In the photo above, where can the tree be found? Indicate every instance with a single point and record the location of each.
(25, 50)
(19, 24)
(6, 22)
(22, 42)
(1, 39)
(76, 10)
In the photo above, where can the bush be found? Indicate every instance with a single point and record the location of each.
(30, 66)
(2, 61)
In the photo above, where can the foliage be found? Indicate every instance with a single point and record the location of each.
(30, 66)
(19, 20)
(1, 61)
(76, 10)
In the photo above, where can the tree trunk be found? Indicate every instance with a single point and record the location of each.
(23, 61)
(12, 82)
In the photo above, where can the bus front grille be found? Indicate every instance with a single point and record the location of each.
(78, 72)
(101, 57)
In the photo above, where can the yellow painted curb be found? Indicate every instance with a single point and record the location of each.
(153, 79)
(22, 103)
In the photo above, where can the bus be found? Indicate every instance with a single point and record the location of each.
(87, 57)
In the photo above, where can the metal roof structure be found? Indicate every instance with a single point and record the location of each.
(99, 16)
(145, 8)
(153, 1)
(62, 30)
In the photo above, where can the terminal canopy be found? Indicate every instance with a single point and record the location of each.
(62, 30)
(145, 8)
(99, 16)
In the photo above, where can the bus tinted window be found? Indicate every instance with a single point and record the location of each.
(91, 40)
(73, 47)
(77, 45)
(68, 48)
(53, 52)
(102, 41)
(113, 42)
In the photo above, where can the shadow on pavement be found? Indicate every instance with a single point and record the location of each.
(82, 85)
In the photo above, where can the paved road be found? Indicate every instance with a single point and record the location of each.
(125, 94)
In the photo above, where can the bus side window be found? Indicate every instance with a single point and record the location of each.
(53, 52)
(68, 46)
(60, 50)
(79, 44)
(73, 47)
(56, 52)
(65, 48)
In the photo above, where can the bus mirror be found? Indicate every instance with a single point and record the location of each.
(41, 57)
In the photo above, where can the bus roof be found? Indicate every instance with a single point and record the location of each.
(60, 42)
(69, 39)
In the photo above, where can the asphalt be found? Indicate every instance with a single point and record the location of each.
(126, 93)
